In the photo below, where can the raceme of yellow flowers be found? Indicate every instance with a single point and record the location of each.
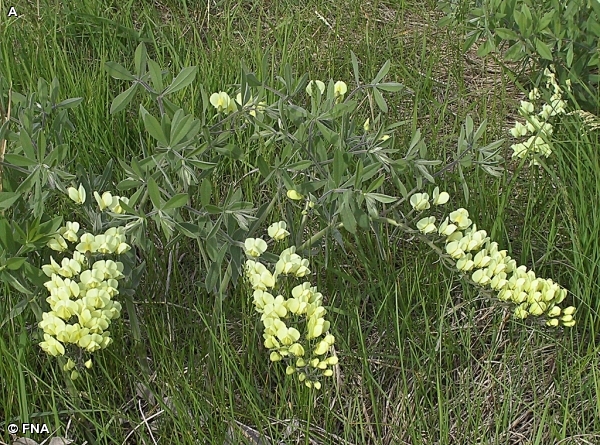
(538, 125)
(303, 352)
(490, 267)
(82, 290)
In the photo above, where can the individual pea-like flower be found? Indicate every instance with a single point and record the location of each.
(69, 231)
(87, 243)
(521, 312)
(302, 270)
(519, 130)
(288, 335)
(537, 308)
(58, 243)
(262, 281)
(320, 85)
(116, 204)
(316, 326)
(69, 267)
(298, 350)
(440, 198)
(104, 201)
(278, 231)
(254, 108)
(534, 94)
(461, 218)
(255, 247)
(106, 243)
(275, 356)
(480, 277)
(366, 125)
(446, 229)
(109, 269)
(273, 307)
(323, 346)
(77, 194)
(52, 268)
(526, 107)
(465, 263)
(294, 195)
(420, 201)
(481, 259)
(70, 334)
(535, 125)
(221, 101)
(426, 225)
(52, 346)
(339, 89)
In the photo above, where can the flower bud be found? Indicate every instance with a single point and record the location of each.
(293, 194)
(69, 365)
(440, 198)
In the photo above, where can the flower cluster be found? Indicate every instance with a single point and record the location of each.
(308, 360)
(83, 287)
(477, 255)
(82, 292)
(105, 201)
(339, 88)
(225, 104)
(110, 202)
(538, 125)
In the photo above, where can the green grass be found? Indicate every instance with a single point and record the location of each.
(424, 358)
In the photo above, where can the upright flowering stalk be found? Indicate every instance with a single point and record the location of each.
(303, 348)
(489, 267)
(82, 287)
(538, 124)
